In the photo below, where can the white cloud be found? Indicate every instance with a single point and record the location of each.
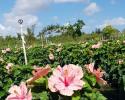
(29, 6)
(91, 9)
(26, 10)
(13, 24)
(65, 1)
(115, 22)
(2, 27)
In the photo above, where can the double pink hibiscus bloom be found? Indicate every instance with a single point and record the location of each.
(67, 79)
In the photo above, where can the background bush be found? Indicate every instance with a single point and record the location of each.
(107, 57)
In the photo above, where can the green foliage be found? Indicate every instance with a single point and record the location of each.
(69, 30)
(95, 95)
(123, 81)
(109, 31)
(75, 29)
(5, 82)
(90, 79)
(17, 75)
(107, 57)
(21, 73)
(76, 98)
(29, 37)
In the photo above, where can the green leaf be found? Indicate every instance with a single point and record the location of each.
(76, 98)
(40, 81)
(40, 96)
(1, 84)
(95, 95)
(91, 79)
(2, 93)
(87, 86)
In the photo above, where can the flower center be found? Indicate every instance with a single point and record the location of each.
(66, 80)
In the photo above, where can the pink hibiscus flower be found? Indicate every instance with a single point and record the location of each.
(8, 49)
(19, 93)
(39, 72)
(97, 45)
(66, 79)
(97, 73)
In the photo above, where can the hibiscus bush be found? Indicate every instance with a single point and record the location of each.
(101, 65)
(62, 83)
(10, 75)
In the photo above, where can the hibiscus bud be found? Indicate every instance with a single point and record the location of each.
(59, 49)
(97, 45)
(9, 67)
(8, 49)
(120, 61)
(51, 56)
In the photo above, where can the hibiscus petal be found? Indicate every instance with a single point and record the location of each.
(66, 92)
(23, 88)
(66, 79)
(51, 84)
(101, 81)
(29, 95)
(57, 71)
(12, 97)
(40, 72)
(15, 89)
(60, 85)
(74, 70)
(76, 85)
(90, 67)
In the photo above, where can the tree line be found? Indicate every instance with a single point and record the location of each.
(73, 31)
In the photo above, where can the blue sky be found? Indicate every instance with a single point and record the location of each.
(95, 13)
